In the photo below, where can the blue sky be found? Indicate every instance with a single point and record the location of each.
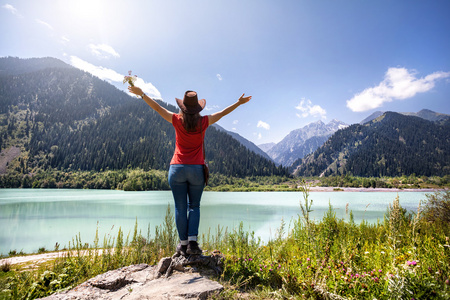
(302, 61)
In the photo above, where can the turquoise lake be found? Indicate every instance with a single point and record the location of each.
(35, 218)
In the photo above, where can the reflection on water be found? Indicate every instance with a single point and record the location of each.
(30, 219)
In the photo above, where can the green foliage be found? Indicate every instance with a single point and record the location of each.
(402, 182)
(437, 208)
(403, 257)
(137, 180)
(392, 145)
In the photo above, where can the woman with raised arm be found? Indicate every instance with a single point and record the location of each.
(186, 177)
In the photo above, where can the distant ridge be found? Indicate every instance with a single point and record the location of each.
(266, 147)
(246, 143)
(15, 65)
(424, 114)
(302, 141)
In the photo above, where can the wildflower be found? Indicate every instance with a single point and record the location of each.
(308, 259)
(379, 270)
(260, 269)
(367, 252)
(411, 263)
(130, 79)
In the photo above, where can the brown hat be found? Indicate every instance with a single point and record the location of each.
(190, 103)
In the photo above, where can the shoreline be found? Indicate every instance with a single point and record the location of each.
(375, 190)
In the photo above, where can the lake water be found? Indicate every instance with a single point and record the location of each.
(34, 218)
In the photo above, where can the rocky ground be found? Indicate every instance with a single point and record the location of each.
(174, 278)
(6, 156)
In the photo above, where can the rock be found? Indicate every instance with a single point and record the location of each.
(146, 282)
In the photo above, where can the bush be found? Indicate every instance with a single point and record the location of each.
(437, 208)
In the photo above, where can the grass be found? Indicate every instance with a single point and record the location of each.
(404, 256)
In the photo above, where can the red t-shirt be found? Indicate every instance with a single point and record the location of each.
(188, 145)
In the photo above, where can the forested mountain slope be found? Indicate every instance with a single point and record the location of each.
(390, 145)
(64, 118)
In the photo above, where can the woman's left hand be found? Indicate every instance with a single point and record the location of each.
(135, 90)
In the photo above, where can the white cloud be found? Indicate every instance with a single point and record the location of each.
(45, 24)
(113, 76)
(259, 136)
(235, 122)
(12, 9)
(103, 51)
(398, 83)
(219, 77)
(64, 39)
(148, 88)
(264, 125)
(307, 109)
(212, 107)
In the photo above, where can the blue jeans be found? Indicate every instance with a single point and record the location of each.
(187, 183)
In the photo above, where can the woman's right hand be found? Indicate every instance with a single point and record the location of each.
(135, 90)
(243, 99)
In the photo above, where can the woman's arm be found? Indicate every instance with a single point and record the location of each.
(218, 115)
(167, 115)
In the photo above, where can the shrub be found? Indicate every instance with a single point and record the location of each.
(437, 207)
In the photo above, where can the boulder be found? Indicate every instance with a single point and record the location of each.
(184, 278)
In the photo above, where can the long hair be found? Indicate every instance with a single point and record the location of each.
(191, 123)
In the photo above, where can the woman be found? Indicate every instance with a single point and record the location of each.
(186, 178)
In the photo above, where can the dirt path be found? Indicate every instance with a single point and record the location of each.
(40, 258)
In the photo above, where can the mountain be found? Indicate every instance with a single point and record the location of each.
(15, 65)
(266, 147)
(244, 142)
(61, 117)
(391, 145)
(424, 114)
(303, 141)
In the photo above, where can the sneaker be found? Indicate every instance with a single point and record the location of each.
(193, 248)
(181, 249)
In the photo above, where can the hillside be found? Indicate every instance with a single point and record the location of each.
(390, 145)
(63, 118)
